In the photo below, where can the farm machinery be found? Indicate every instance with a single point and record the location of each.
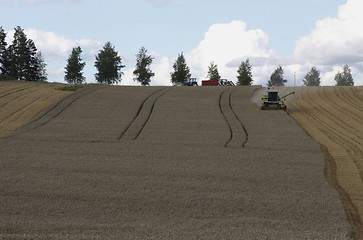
(191, 82)
(272, 101)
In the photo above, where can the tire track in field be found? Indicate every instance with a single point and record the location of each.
(347, 169)
(238, 135)
(352, 98)
(332, 126)
(17, 90)
(340, 115)
(341, 104)
(53, 111)
(19, 112)
(142, 117)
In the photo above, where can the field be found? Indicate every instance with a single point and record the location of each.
(21, 102)
(182, 163)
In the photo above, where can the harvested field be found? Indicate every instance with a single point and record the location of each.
(333, 116)
(166, 163)
(22, 101)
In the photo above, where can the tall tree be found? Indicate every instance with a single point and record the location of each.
(181, 73)
(19, 54)
(32, 63)
(73, 70)
(22, 57)
(213, 73)
(109, 65)
(277, 78)
(41, 72)
(312, 78)
(3, 56)
(245, 73)
(344, 78)
(142, 72)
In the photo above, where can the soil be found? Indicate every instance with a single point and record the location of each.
(180, 163)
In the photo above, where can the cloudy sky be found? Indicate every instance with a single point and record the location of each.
(296, 34)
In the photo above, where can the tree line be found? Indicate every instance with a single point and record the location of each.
(181, 74)
(312, 78)
(22, 61)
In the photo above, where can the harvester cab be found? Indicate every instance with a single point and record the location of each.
(273, 101)
(191, 82)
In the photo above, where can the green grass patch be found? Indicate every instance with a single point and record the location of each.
(71, 87)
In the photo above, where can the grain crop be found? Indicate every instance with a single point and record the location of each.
(170, 163)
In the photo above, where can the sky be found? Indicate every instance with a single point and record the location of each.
(293, 34)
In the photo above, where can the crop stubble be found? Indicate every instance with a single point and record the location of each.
(20, 102)
(168, 163)
(333, 116)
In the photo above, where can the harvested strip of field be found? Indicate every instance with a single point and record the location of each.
(334, 117)
(69, 177)
(21, 101)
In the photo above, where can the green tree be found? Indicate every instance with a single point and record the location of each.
(312, 78)
(3, 57)
(277, 78)
(213, 73)
(73, 70)
(181, 73)
(344, 78)
(109, 65)
(244, 76)
(38, 70)
(142, 72)
(23, 62)
(19, 55)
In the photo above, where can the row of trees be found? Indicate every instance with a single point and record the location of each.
(312, 78)
(21, 60)
(109, 66)
(181, 74)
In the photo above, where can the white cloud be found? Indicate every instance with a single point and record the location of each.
(161, 66)
(228, 45)
(55, 46)
(56, 49)
(335, 42)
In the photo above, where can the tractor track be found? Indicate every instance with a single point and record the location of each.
(142, 117)
(20, 111)
(53, 111)
(235, 125)
(333, 125)
(19, 97)
(17, 90)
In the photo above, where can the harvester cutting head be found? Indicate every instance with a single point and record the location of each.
(273, 101)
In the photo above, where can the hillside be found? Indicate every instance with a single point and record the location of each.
(22, 101)
(184, 163)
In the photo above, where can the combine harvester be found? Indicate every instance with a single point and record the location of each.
(272, 101)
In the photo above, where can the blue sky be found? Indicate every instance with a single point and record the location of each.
(294, 34)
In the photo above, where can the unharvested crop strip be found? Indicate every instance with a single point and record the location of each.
(133, 130)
